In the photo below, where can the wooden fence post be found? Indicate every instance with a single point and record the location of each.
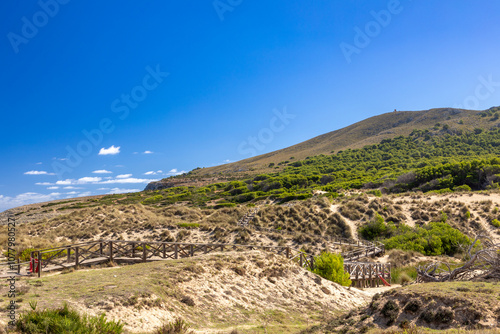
(133, 249)
(101, 251)
(370, 268)
(76, 257)
(176, 252)
(191, 250)
(288, 252)
(144, 252)
(68, 250)
(164, 251)
(39, 264)
(301, 261)
(111, 251)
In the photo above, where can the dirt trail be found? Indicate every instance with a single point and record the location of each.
(352, 225)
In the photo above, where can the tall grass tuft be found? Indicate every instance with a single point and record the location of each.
(178, 326)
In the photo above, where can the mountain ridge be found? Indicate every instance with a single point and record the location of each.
(365, 132)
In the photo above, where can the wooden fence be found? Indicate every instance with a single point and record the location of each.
(368, 275)
(121, 251)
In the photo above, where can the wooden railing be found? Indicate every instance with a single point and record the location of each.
(92, 253)
(366, 275)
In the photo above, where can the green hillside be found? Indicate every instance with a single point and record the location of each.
(366, 132)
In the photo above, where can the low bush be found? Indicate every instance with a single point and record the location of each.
(376, 228)
(331, 267)
(153, 199)
(65, 320)
(432, 239)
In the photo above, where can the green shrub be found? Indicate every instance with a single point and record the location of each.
(376, 228)
(225, 205)
(331, 267)
(495, 223)
(65, 320)
(432, 239)
(375, 192)
(152, 200)
(245, 197)
(189, 225)
(463, 187)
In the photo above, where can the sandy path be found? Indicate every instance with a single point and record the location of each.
(352, 225)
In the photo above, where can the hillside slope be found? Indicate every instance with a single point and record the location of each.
(215, 293)
(369, 131)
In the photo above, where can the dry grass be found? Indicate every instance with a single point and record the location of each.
(243, 290)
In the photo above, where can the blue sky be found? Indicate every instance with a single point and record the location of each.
(104, 96)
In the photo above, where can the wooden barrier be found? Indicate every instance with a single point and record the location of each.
(368, 275)
(96, 252)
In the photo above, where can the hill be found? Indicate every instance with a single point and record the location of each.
(366, 132)
(431, 307)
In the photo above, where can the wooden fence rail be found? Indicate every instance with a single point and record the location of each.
(96, 252)
(368, 275)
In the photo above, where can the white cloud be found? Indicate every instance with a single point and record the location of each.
(176, 172)
(153, 172)
(121, 191)
(127, 180)
(66, 182)
(122, 179)
(71, 193)
(88, 179)
(38, 163)
(8, 202)
(148, 152)
(87, 193)
(103, 189)
(44, 184)
(38, 172)
(110, 151)
(82, 180)
(52, 188)
(102, 171)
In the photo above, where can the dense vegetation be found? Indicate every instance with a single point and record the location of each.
(331, 267)
(65, 320)
(437, 159)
